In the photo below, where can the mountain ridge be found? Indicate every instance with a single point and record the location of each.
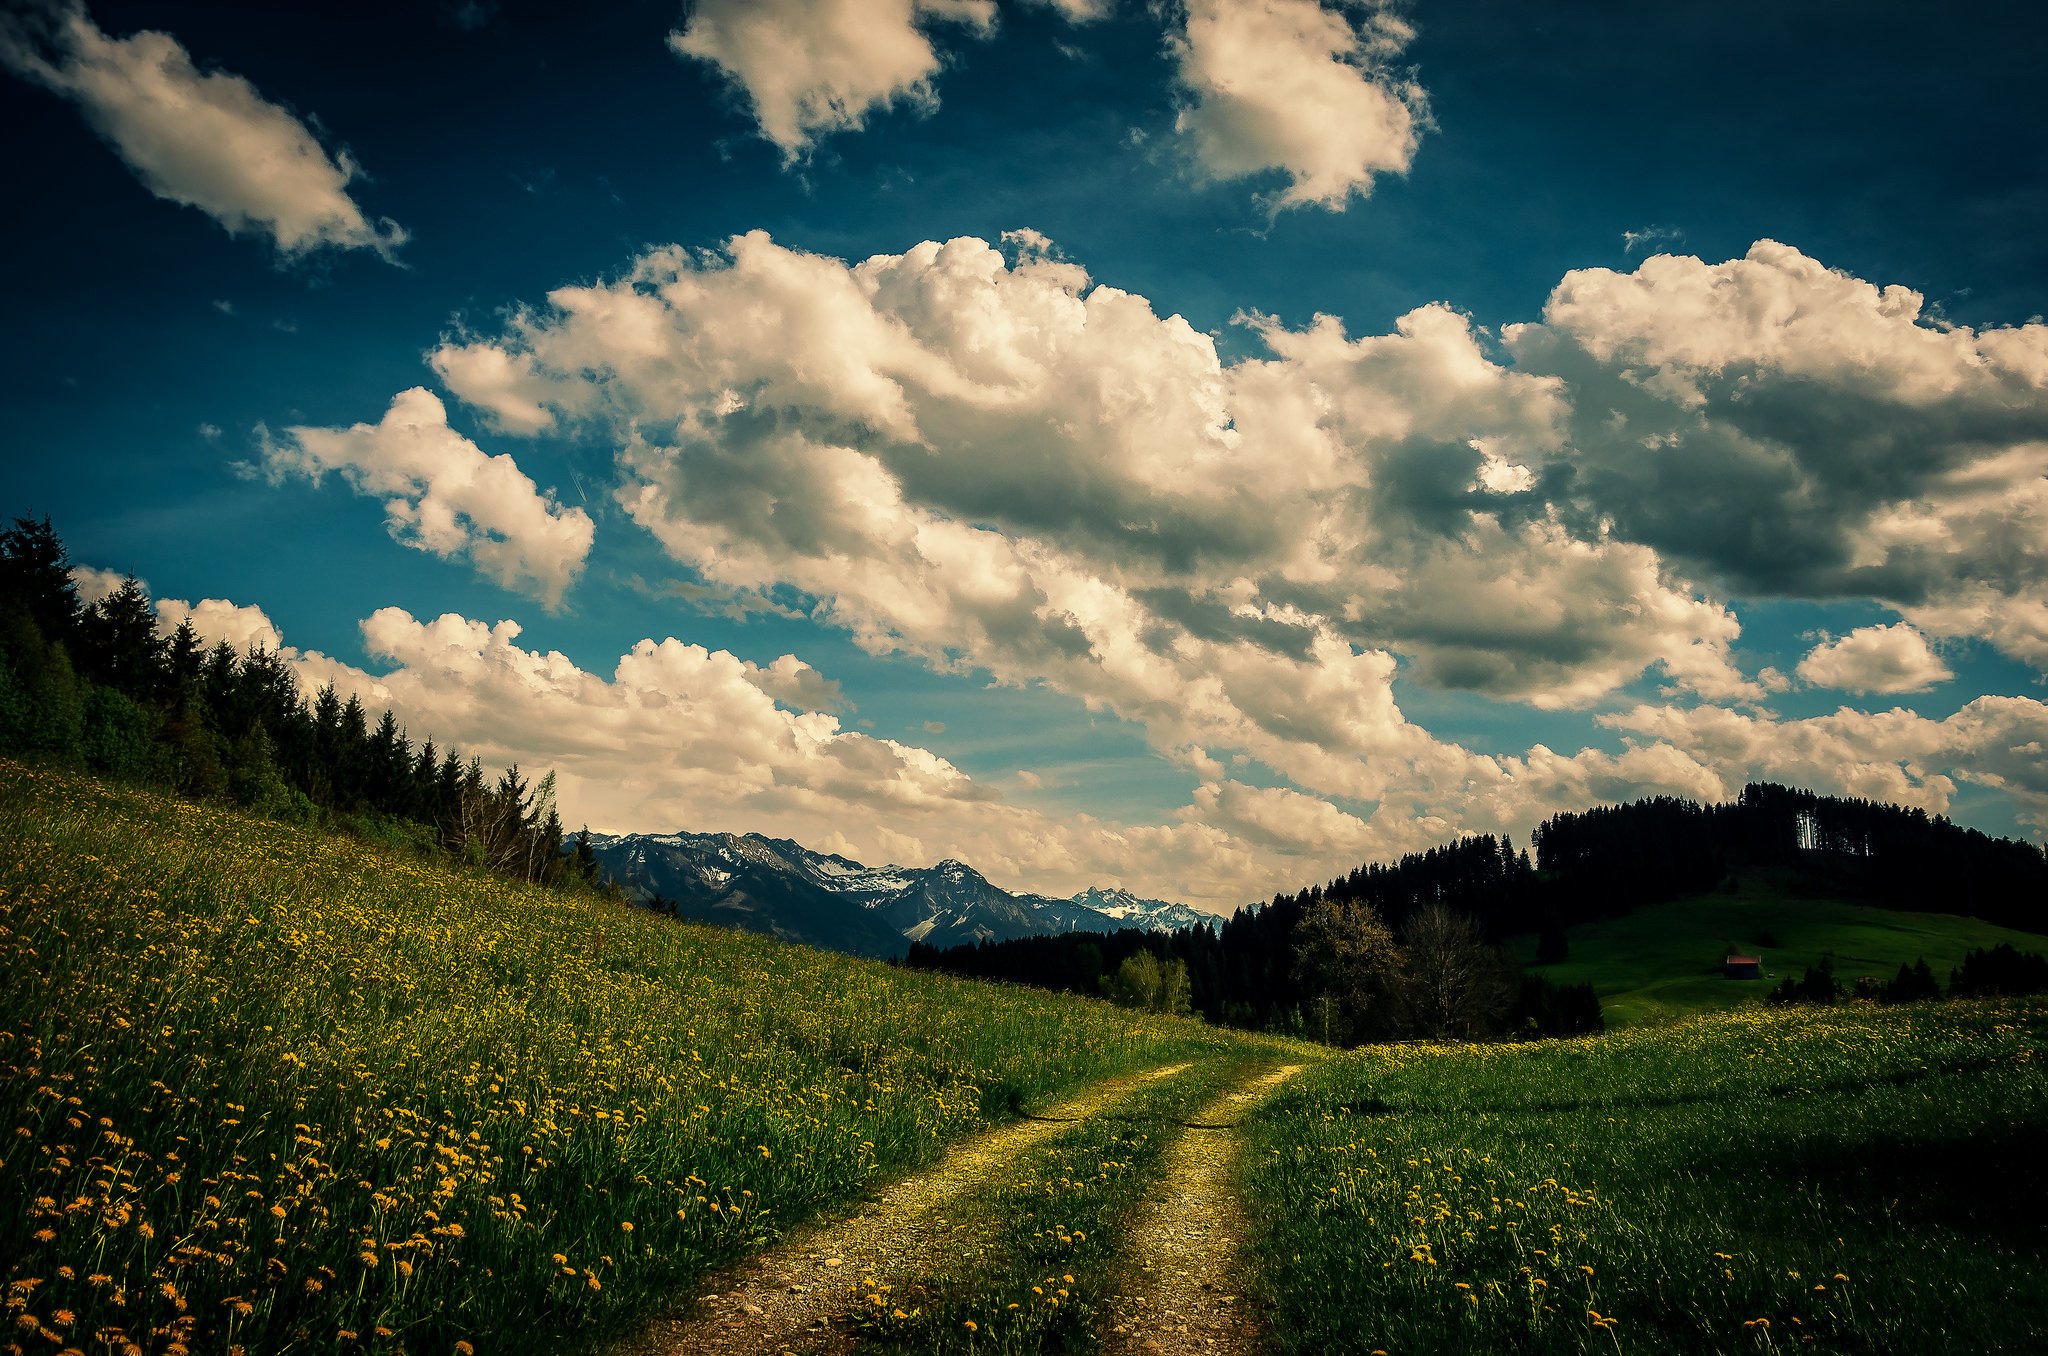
(782, 888)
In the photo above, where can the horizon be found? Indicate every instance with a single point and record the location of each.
(1193, 450)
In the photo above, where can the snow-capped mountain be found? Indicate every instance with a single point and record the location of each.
(1154, 915)
(785, 889)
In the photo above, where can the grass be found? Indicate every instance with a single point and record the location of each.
(1853, 1179)
(1663, 962)
(1053, 1247)
(271, 1090)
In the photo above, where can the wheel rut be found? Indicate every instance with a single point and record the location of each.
(1185, 1246)
(783, 1299)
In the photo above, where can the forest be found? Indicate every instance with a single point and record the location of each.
(99, 686)
(1411, 948)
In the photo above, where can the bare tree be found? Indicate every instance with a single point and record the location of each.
(1456, 981)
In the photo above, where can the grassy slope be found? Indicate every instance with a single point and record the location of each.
(1664, 962)
(1854, 1179)
(264, 1087)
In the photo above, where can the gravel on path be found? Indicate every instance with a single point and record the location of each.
(784, 1298)
(1186, 1245)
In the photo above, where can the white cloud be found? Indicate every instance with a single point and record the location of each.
(797, 685)
(980, 458)
(444, 495)
(678, 736)
(1790, 430)
(1288, 820)
(206, 139)
(1888, 659)
(984, 460)
(1297, 86)
(1897, 755)
(94, 583)
(1079, 11)
(812, 67)
(216, 620)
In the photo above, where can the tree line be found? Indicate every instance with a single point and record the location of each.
(1389, 952)
(100, 686)
(1986, 972)
(1413, 947)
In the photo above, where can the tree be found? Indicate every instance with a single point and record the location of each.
(117, 636)
(1458, 986)
(1353, 973)
(1145, 981)
(35, 579)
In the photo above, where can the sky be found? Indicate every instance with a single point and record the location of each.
(1197, 447)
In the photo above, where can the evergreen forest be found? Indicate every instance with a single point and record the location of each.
(98, 686)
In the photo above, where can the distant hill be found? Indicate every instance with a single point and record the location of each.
(784, 889)
(1613, 869)
(1662, 962)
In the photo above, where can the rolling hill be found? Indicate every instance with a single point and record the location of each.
(1662, 962)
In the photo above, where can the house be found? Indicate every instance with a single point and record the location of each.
(1738, 966)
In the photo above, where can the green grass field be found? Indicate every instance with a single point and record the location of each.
(1854, 1179)
(271, 1090)
(268, 1090)
(1664, 962)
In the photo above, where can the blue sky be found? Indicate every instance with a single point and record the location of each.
(1679, 417)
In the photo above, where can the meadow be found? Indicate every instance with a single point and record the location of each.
(1854, 1179)
(263, 1089)
(1662, 962)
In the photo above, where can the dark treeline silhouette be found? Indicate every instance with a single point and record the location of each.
(1607, 861)
(1589, 864)
(1259, 972)
(100, 687)
(1999, 971)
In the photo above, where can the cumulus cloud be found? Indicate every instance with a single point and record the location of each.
(1301, 87)
(978, 456)
(1789, 430)
(93, 583)
(678, 736)
(218, 621)
(1888, 659)
(1896, 755)
(206, 139)
(443, 494)
(984, 460)
(812, 67)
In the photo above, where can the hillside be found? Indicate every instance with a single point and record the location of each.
(276, 1090)
(1663, 961)
(783, 889)
(1855, 1179)
(283, 1083)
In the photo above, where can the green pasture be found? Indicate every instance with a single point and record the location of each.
(1850, 1179)
(1663, 962)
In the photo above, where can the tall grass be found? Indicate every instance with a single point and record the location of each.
(266, 1089)
(1854, 1179)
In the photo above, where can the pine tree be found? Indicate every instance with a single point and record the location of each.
(119, 644)
(35, 579)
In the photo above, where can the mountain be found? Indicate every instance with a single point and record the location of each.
(1153, 915)
(785, 889)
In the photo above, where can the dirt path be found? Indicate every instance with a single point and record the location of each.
(1187, 1242)
(782, 1300)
